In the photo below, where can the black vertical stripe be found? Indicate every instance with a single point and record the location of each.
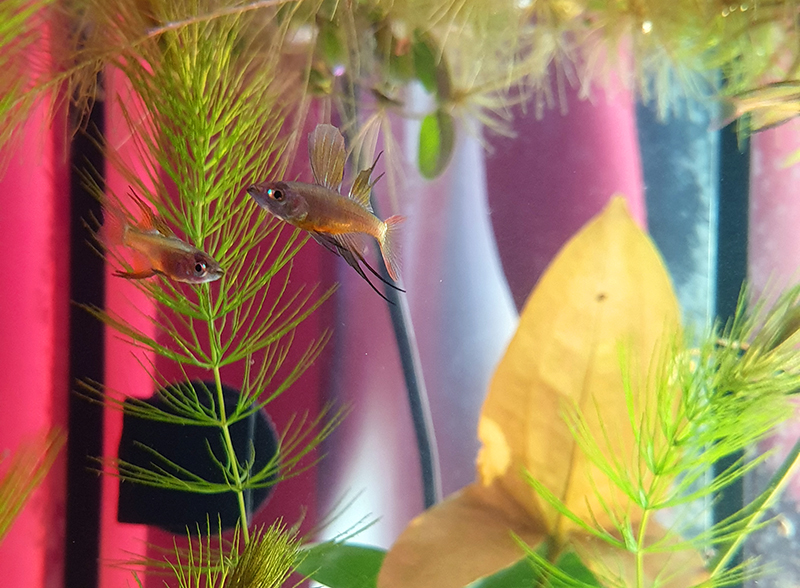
(87, 286)
(734, 189)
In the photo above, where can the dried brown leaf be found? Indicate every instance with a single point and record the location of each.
(666, 568)
(464, 538)
(606, 290)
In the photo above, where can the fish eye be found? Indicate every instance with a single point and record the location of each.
(200, 267)
(275, 194)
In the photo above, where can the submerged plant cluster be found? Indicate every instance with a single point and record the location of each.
(601, 429)
(475, 59)
(215, 95)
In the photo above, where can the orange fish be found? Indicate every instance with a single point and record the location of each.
(156, 249)
(333, 220)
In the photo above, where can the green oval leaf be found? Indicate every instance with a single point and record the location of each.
(436, 142)
(571, 564)
(569, 570)
(330, 46)
(430, 68)
(517, 574)
(342, 565)
(425, 64)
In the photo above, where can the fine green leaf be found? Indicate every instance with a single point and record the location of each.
(520, 573)
(756, 509)
(572, 565)
(23, 472)
(568, 571)
(436, 143)
(330, 44)
(425, 63)
(430, 67)
(342, 565)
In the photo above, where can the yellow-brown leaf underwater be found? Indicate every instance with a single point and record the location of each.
(607, 289)
(466, 537)
(666, 569)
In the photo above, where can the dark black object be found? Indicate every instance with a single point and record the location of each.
(734, 192)
(86, 362)
(187, 446)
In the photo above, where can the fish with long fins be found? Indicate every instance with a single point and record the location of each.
(155, 249)
(335, 221)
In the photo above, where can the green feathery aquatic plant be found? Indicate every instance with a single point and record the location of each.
(210, 560)
(475, 58)
(705, 403)
(209, 123)
(22, 59)
(23, 472)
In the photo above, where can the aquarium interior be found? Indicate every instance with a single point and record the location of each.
(584, 375)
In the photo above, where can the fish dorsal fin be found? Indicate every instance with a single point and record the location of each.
(360, 191)
(327, 154)
(151, 221)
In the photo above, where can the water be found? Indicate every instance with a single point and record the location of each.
(409, 431)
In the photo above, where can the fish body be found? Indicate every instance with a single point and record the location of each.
(326, 211)
(337, 222)
(156, 249)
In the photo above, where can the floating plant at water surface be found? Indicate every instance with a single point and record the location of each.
(475, 59)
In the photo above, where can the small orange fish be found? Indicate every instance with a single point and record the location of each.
(156, 249)
(333, 220)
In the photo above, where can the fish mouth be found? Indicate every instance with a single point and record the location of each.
(214, 275)
(256, 193)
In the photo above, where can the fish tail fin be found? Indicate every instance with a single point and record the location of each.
(111, 232)
(112, 237)
(390, 245)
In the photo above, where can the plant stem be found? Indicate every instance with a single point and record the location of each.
(776, 485)
(640, 548)
(226, 434)
(223, 419)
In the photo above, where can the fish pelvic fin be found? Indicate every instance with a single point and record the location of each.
(327, 154)
(390, 245)
(352, 257)
(136, 275)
